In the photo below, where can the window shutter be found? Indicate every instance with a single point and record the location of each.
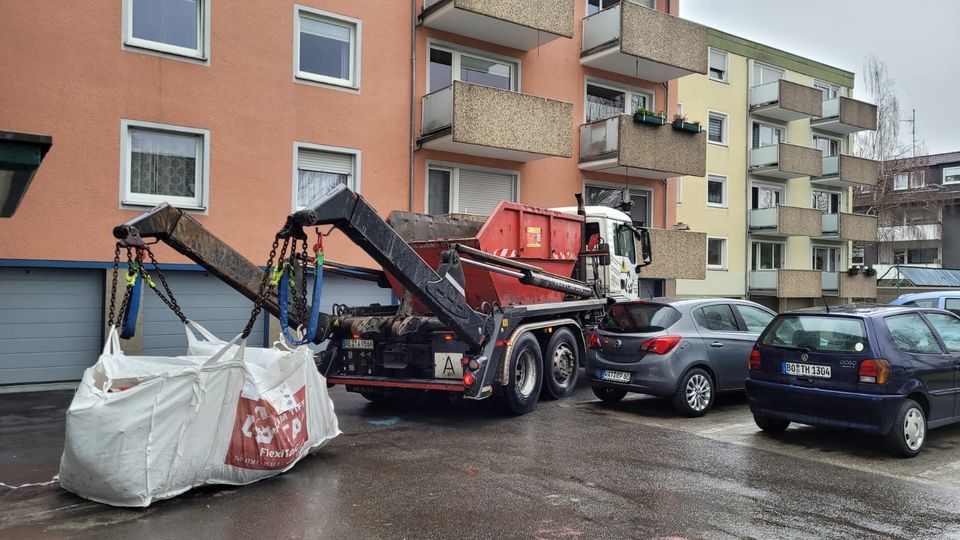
(328, 162)
(480, 192)
(716, 128)
(638, 212)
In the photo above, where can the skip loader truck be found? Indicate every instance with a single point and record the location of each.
(487, 306)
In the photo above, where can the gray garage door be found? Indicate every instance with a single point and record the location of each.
(204, 299)
(50, 323)
(352, 292)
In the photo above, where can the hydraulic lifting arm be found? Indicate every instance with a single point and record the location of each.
(347, 211)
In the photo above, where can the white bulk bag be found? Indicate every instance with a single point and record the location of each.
(142, 428)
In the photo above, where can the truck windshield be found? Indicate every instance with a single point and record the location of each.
(640, 318)
(813, 333)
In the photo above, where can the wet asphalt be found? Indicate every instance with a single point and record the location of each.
(572, 469)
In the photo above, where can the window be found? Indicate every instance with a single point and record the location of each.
(716, 253)
(918, 179)
(911, 334)
(603, 101)
(718, 65)
(716, 190)
(755, 318)
(717, 318)
(453, 189)
(826, 259)
(952, 304)
(171, 26)
(767, 256)
(319, 170)
(818, 334)
(857, 255)
(766, 135)
(765, 196)
(948, 327)
(901, 181)
(826, 201)
(596, 6)
(829, 147)
(829, 91)
(638, 201)
(448, 64)
(327, 48)
(163, 164)
(679, 190)
(923, 302)
(763, 74)
(951, 175)
(922, 255)
(717, 128)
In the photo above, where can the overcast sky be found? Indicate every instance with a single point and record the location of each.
(919, 41)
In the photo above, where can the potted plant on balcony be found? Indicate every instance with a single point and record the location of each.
(680, 124)
(646, 116)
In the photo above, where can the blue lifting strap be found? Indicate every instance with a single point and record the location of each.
(283, 297)
(129, 327)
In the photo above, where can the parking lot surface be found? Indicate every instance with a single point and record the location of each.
(575, 468)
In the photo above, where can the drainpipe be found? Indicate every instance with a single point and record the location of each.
(413, 97)
(748, 247)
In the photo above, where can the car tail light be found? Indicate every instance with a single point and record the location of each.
(755, 359)
(874, 370)
(593, 341)
(468, 379)
(660, 344)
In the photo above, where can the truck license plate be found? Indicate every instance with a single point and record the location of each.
(447, 365)
(357, 344)
(616, 376)
(806, 370)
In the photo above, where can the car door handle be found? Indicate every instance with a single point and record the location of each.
(717, 345)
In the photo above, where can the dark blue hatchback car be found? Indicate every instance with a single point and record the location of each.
(889, 370)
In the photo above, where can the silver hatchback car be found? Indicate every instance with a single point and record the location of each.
(687, 349)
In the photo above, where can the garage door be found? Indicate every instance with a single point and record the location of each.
(50, 323)
(352, 292)
(204, 299)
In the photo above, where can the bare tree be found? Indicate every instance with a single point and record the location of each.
(894, 157)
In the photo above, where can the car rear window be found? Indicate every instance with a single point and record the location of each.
(640, 317)
(815, 333)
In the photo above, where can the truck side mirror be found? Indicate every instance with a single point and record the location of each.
(645, 256)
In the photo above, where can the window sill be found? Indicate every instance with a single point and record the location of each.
(721, 81)
(720, 206)
(138, 205)
(196, 58)
(307, 78)
(725, 145)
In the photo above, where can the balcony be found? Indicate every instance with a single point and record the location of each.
(910, 233)
(785, 221)
(643, 43)
(785, 283)
(843, 285)
(847, 171)
(843, 116)
(785, 101)
(621, 146)
(678, 255)
(489, 122)
(844, 226)
(519, 25)
(785, 161)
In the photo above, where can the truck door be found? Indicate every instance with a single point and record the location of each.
(623, 271)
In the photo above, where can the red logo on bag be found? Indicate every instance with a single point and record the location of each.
(264, 439)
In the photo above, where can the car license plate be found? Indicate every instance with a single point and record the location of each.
(806, 370)
(448, 365)
(357, 343)
(615, 376)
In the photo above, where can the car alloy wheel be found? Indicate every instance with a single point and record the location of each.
(698, 392)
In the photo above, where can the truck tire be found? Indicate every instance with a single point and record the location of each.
(561, 365)
(525, 371)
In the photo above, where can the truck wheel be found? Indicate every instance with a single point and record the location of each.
(561, 365)
(520, 395)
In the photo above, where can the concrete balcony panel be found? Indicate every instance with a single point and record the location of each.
(676, 255)
(521, 25)
(621, 146)
(844, 116)
(844, 226)
(785, 161)
(483, 121)
(786, 101)
(909, 233)
(786, 221)
(858, 286)
(785, 283)
(847, 171)
(643, 43)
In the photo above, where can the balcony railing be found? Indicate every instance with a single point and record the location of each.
(785, 101)
(619, 145)
(785, 221)
(785, 161)
(483, 121)
(682, 255)
(909, 233)
(643, 43)
(830, 282)
(847, 171)
(843, 116)
(786, 283)
(520, 25)
(846, 226)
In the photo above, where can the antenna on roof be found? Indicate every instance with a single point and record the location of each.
(825, 304)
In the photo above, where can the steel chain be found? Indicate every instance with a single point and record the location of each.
(113, 284)
(262, 292)
(303, 309)
(171, 302)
